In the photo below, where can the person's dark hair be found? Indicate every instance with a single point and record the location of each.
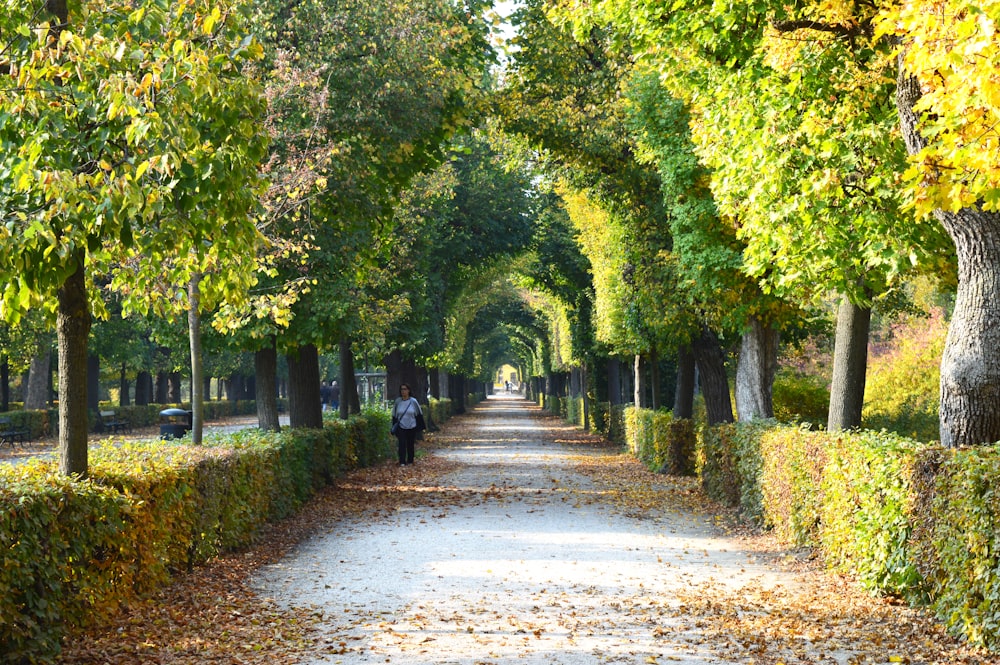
(405, 385)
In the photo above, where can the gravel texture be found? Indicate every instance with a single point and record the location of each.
(518, 556)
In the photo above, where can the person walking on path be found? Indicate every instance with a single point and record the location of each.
(407, 419)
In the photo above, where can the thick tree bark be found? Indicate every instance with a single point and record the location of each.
(36, 395)
(304, 406)
(755, 371)
(73, 328)
(970, 364)
(266, 367)
(711, 362)
(684, 394)
(197, 369)
(850, 365)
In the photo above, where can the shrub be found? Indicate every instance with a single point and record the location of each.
(958, 543)
(903, 384)
(867, 512)
(793, 463)
(800, 398)
(73, 550)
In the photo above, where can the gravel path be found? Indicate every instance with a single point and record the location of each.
(518, 556)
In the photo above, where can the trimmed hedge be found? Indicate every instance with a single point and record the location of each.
(902, 517)
(73, 551)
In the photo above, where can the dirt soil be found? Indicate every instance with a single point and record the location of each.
(515, 539)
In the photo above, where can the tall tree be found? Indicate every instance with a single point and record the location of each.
(96, 137)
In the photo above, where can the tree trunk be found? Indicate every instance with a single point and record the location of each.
(197, 369)
(684, 393)
(266, 368)
(36, 396)
(435, 382)
(174, 383)
(755, 370)
(393, 363)
(711, 363)
(304, 406)
(162, 388)
(638, 383)
(458, 393)
(5, 384)
(970, 364)
(143, 388)
(73, 329)
(349, 401)
(614, 381)
(654, 380)
(850, 364)
(123, 386)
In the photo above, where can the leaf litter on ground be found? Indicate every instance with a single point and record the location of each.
(212, 615)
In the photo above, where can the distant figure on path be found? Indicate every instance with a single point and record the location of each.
(324, 395)
(334, 396)
(407, 414)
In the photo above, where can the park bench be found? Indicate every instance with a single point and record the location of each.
(11, 433)
(115, 424)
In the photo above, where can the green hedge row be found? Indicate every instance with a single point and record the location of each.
(73, 551)
(903, 517)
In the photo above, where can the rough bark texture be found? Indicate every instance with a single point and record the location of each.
(36, 395)
(755, 371)
(435, 382)
(850, 365)
(304, 407)
(970, 364)
(197, 369)
(266, 368)
(684, 395)
(73, 329)
(711, 362)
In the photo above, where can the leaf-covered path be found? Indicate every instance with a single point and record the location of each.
(537, 544)
(514, 539)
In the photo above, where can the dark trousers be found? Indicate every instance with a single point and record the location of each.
(406, 439)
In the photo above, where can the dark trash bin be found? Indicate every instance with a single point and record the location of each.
(174, 423)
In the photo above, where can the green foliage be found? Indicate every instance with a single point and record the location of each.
(800, 398)
(72, 551)
(902, 390)
(660, 441)
(64, 557)
(793, 462)
(957, 539)
(866, 517)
